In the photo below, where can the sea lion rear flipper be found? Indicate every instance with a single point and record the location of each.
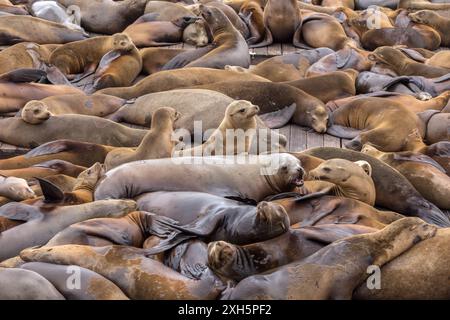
(19, 211)
(268, 40)
(184, 58)
(23, 75)
(343, 132)
(50, 191)
(279, 118)
(51, 148)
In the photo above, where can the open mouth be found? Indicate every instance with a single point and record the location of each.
(298, 182)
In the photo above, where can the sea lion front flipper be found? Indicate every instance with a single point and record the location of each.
(184, 58)
(419, 158)
(109, 57)
(50, 191)
(55, 76)
(51, 147)
(343, 132)
(413, 54)
(279, 118)
(20, 211)
(343, 57)
(23, 75)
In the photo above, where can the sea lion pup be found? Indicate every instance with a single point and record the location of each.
(274, 99)
(177, 79)
(45, 169)
(239, 118)
(19, 284)
(157, 143)
(97, 16)
(419, 273)
(225, 259)
(53, 11)
(128, 268)
(434, 20)
(56, 127)
(79, 153)
(148, 32)
(41, 224)
(16, 189)
(393, 190)
(227, 176)
(342, 265)
(376, 121)
(427, 176)
(16, 29)
(338, 84)
(228, 46)
(92, 285)
(351, 179)
(395, 63)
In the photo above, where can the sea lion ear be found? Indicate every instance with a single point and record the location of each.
(365, 166)
(50, 191)
(372, 57)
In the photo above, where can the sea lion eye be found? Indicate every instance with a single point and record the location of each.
(326, 169)
(284, 168)
(242, 110)
(35, 111)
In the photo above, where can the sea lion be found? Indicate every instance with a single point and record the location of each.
(157, 143)
(270, 97)
(343, 264)
(227, 259)
(270, 174)
(437, 126)
(56, 127)
(393, 190)
(436, 21)
(24, 55)
(97, 16)
(8, 8)
(253, 14)
(371, 82)
(176, 79)
(417, 84)
(16, 189)
(19, 284)
(418, 273)
(166, 10)
(53, 11)
(440, 152)
(228, 46)
(128, 268)
(79, 153)
(394, 62)
(42, 225)
(376, 121)
(424, 174)
(351, 179)
(45, 169)
(239, 115)
(148, 32)
(196, 34)
(153, 59)
(92, 285)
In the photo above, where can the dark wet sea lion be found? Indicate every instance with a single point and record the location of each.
(92, 285)
(336, 270)
(137, 276)
(42, 225)
(393, 190)
(78, 153)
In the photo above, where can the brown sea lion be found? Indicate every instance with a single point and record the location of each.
(148, 32)
(44, 169)
(92, 286)
(56, 127)
(436, 21)
(437, 126)
(177, 79)
(439, 152)
(97, 16)
(224, 176)
(166, 10)
(153, 59)
(352, 179)
(42, 225)
(341, 265)
(16, 29)
(79, 153)
(424, 174)
(296, 105)
(128, 268)
(253, 14)
(157, 143)
(227, 259)
(7, 7)
(196, 34)
(16, 189)
(376, 121)
(393, 190)
(419, 273)
(19, 284)
(228, 46)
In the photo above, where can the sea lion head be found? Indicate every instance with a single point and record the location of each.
(122, 42)
(222, 258)
(241, 112)
(165, 115)
(339, 171)
(384, 58)
(273, 216)
(284, 170)
(318, 118)
(371, 150)
(16, 189)
(196, 34)
(423, 16)
(35, 112)
(89, 177)
(214, 17)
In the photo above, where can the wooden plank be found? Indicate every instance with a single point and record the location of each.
(188, 46)
(274, 49)
(297, 140)
(260, 51)
(330, 141)
(286, 131)
(176, 46)
(314, 139)
(343, 142)
(287, 48)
